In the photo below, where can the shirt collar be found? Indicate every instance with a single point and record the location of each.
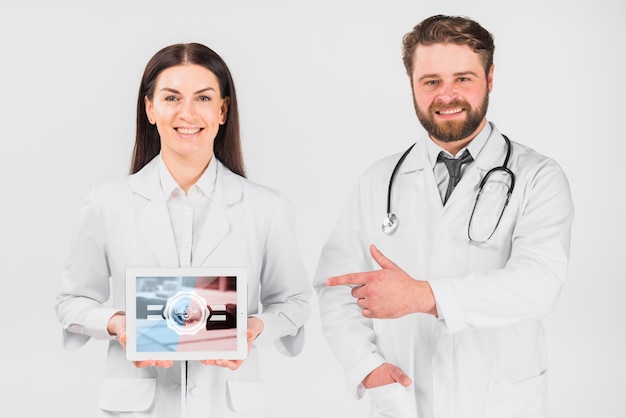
(205, 184)
(474, 146)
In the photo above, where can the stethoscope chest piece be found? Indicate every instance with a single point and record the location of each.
(390, 223)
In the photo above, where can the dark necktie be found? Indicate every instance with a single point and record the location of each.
(454, 169)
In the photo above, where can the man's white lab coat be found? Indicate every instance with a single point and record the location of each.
(485, 355)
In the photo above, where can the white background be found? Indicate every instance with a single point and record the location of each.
(322, 95)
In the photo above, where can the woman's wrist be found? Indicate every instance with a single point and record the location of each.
(255, 325)
(117, 320)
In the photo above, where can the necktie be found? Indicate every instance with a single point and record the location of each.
(454, 169)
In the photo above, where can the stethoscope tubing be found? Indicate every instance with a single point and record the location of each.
(390, 223)
(393, 176)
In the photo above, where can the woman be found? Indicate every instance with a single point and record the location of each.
(186, 203)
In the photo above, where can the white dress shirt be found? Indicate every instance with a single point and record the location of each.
(187, 212)
(440, 170)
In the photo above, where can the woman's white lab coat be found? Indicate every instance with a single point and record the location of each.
(126, 224)
(485, 356)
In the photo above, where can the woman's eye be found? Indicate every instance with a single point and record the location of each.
(204, 98)
(170, 98)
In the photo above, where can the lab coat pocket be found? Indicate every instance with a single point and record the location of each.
(525, 399)
(390, 401)
(245, 399)
(128, 395)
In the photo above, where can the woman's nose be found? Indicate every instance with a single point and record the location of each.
(187, 110)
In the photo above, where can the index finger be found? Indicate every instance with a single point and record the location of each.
(348, 279)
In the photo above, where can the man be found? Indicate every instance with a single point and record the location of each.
(439, 313)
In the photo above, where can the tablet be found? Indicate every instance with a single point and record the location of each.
(193, 313)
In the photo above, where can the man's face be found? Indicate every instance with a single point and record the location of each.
(450, 91)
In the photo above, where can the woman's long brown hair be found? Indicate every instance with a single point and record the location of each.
(227, 144)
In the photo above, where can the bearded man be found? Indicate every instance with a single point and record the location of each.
(437, 312)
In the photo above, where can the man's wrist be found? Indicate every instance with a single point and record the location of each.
(426, 299)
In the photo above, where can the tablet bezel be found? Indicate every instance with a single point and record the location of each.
(240, 274)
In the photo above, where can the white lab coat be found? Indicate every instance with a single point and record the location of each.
(126, 224)
(485, 356)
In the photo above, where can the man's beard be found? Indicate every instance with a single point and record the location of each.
(452, 130)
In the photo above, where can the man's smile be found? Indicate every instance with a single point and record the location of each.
(452, 111)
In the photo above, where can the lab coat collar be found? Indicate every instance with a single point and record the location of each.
(491, 154)
(205, 184)
(228, 191)
(146, 183)
(152, 217)
(417, 159)
(474, 146)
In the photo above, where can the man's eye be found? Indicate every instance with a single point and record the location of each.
(431, 83)
(464, 79)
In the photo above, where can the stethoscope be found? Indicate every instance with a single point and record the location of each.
(390, 223)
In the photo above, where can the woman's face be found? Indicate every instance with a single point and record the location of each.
(188, 109)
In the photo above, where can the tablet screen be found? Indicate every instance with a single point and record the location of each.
(186, 313)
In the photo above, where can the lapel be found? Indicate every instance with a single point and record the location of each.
(228, 191)
(153, 222)
(492, 155)
(151, 215)
(418, 165)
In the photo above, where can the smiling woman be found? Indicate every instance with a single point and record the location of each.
(193, 73)
(187, 108)
(185, 204)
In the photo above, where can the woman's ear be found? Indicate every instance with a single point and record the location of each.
(149, 110)
(224, 110)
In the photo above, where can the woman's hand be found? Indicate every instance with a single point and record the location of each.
(117, 327)
(255, 327)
